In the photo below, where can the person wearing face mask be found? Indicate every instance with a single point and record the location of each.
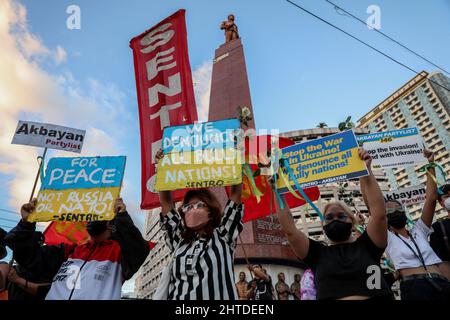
(202, 238)
(95, 270)
(342, 269)
(410, 252)
(440, 238)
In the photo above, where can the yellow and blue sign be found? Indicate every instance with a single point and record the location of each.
(325, 160)
(200, 155)
(79, 189)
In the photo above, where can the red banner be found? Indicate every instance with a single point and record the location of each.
(254, 210)
(164, 90)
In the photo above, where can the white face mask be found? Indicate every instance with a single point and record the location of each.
(447, 203)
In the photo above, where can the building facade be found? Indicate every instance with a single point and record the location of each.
(421, 103)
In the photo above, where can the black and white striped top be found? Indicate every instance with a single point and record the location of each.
(204, 269)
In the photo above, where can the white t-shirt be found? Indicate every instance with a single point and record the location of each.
(402, 257)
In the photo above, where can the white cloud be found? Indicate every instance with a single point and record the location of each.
(29, 92)
(202, 88)
(60, 55)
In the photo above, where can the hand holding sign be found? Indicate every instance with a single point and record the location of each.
(366, 157)
(119, 206)
(28, 208)
(429, 155)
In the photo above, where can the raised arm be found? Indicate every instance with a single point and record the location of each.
(134, 247)
(377, 226)
(165, 197)
(297, 239)
(429, 207)
(259, 273)
(27, 250)
(236, 193)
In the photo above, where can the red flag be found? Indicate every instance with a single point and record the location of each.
(254, 210)
(66, 232)
(151, 244)
(164, 90)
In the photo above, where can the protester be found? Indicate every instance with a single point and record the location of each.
(440, 238)
(282, 288)
(262, 288)
(4, 267)
(308, 288)
(203, 239)
(296, 287)
(251, 289)
(19, 289)
(241, 286)
(95, 270)
(410, 252)
(340, 269)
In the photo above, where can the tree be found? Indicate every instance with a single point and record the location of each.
(322, 125)
(346, 125)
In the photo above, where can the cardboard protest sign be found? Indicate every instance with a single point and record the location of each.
(79, 189)
(407, 196)
(47, 135)
(396, 148)
(325, 160)
(200, 155)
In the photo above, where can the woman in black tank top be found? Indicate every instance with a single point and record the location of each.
(349, 268)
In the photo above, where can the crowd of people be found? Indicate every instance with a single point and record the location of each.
(203, 236)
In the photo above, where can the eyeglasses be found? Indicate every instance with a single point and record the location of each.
(395, 210)
(341, 216)
(190, 206)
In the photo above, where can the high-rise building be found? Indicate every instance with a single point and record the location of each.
(150, 273)
(423, 103)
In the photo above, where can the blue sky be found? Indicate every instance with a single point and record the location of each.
(301, 71)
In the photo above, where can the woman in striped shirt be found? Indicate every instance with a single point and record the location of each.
(203, 240)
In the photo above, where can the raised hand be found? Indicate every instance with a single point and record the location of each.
(28, 208)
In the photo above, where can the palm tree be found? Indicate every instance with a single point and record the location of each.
(346, 125)
(322, 125)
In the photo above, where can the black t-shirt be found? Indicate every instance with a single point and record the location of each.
(263, 290)
(342, 270)
(437, 240)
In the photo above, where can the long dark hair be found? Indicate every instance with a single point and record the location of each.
(215, 212)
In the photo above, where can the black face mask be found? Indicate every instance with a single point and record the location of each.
(338, 231)
(397, 219)
(96, 228)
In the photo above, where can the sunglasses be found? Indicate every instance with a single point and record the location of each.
(192, 206)
(341, 216)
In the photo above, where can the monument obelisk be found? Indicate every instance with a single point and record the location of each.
(230, 90)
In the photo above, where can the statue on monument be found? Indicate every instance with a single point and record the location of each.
(231, 29)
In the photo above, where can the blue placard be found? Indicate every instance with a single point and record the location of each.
(200, 136)
(84, 173)
(346, 139)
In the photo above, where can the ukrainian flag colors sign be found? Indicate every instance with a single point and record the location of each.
(79, 189)
(325, 160)
(200, 155)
